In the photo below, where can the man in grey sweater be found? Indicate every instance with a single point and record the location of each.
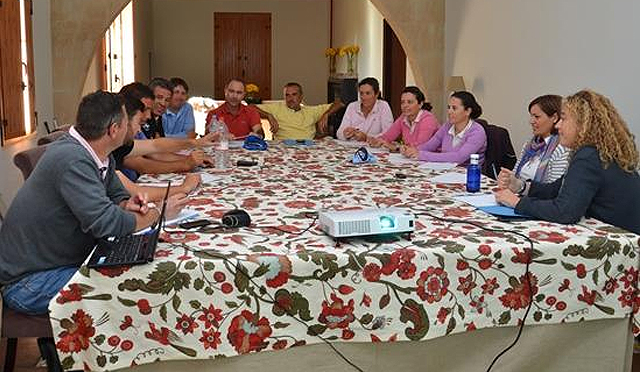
(72, 198)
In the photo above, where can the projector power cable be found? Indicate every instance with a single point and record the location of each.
(526, 274)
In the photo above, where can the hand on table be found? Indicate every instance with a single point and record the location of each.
(409, 152)
(506, 197)
(138, 203)
(190, 183)
(508, 180)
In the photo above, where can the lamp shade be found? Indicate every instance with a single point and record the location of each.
(455, 84)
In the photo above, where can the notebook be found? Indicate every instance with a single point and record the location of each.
(130, 249)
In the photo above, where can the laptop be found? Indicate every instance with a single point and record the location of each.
(130, 249)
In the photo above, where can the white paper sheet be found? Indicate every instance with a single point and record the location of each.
(437, 166)
(355, 144)
(450, 178)
(185, 214)
(477, 200)
(399, 159)
(210, 178)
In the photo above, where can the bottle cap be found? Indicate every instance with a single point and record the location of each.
(475, 158)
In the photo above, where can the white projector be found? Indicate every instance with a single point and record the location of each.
(373, 221)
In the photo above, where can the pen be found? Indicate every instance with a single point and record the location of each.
(495, 174)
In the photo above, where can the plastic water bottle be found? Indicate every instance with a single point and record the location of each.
(473, 174)
(222, 149)
(214, 126)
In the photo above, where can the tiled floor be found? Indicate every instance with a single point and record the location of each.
(28, 355)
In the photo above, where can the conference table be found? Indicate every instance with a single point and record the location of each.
(278, 294)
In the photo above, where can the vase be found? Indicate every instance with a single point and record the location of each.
(332, 65)
(352, 65)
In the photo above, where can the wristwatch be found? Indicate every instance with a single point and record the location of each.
(522, 188)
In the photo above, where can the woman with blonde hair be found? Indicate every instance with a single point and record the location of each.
(602, 180)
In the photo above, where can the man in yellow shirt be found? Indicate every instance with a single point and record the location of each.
(291, 120)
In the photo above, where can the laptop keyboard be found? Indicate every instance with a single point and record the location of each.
(128, 250)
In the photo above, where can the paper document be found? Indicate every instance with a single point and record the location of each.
(235, 144)
(477, 200)
(185, 214)
(399, 159)
(437, 166)
(356, 144)
(210, 178)
(450, 178)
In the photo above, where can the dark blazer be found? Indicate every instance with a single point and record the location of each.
(587, 189)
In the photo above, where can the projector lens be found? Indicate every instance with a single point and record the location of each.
(387, 222)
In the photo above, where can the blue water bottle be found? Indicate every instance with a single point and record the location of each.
(473, 174)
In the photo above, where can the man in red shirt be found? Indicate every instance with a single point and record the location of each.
(242, 120)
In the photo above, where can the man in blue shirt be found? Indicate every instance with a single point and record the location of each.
(178, 120)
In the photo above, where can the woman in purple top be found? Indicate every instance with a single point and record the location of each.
(369, 116)
(415, 126)
(459, 138)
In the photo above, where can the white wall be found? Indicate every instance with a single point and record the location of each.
(359, 22)
(510, 51)
(183, 42)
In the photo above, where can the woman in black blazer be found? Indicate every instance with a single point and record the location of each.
(602, 180)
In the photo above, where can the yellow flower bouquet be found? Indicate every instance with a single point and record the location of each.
(252, 96)
(331, 53)
(351, 51)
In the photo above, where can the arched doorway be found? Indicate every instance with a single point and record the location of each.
(78, 26)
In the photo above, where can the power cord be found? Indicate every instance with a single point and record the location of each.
(273, 300)
(526, 275)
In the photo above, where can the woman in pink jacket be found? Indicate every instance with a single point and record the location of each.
(415, 125)
(456, 140)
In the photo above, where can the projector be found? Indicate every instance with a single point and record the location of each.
(372, 221)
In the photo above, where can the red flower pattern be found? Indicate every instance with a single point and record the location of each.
(211, 317)
(518, 296)
(247, 332)
(432, 284)
(77, 333)
(210, 339)
(336, 314)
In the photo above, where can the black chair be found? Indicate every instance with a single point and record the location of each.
(500, 152)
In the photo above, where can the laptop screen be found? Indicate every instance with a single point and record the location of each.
(157, 226)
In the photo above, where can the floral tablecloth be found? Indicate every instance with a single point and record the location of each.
(276, 286)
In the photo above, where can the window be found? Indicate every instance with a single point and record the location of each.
(17, 91)
(119, 54)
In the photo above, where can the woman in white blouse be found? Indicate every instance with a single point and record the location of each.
(368, 116)
(543, 159)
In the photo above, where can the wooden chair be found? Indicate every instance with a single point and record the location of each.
(26, 160)
(17, 325)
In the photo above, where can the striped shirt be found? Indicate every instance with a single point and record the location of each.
(556, 168)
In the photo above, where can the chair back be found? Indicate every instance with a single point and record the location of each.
(26, 160)
(52, 136)
(500, 152)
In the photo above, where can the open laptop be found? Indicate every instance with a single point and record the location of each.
(130, 249)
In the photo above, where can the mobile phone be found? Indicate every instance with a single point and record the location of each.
(194, 224)
(301, 142)
(246, 163)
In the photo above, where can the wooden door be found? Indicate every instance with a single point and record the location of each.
(30, 63)
(13, 121)
(242, 49)
(394, 69)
